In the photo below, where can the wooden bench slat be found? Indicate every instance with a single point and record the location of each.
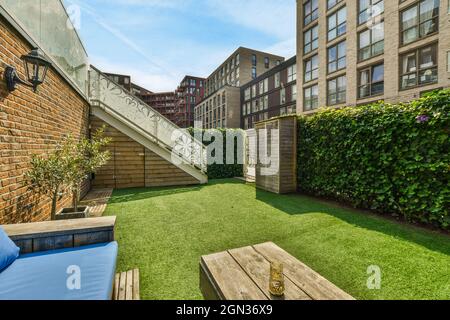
(129, 285)
(122, 286)
(116, 287)
(316, 286)
(126, 285)
(136, 293)
(258, 268)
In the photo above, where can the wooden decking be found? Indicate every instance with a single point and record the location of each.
(126, 286)
(97, 201)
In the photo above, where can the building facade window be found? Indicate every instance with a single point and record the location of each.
(369, 9)
(312, 68)
(282, 96)
(267, 63)
(277, 80)
(419, 67)
(337, 57)
(371, 42)
(448, 60)
(254, 91)
(337, 24)
(371, 81)
(292, 73)
(332, 3)
(254, 60)
(311, 98)
(420, 20)
(294, 92)
(238, 59)
(311, 11)
(311, 39)
(254, 74)
(337, 89)
(247, 95)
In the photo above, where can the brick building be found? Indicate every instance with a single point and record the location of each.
(357, 52)
(272, 94)
(221, 106)
(190, 92)
(166, 103)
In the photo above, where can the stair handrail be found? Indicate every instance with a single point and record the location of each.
(187, 147)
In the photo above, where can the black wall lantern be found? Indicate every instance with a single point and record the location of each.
(36, 67)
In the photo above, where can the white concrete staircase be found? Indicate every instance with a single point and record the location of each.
(114, 105)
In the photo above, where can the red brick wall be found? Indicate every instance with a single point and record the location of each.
(31, 123)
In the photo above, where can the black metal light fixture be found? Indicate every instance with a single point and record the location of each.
(36, 66)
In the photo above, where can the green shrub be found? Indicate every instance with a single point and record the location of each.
(389, 158)
(222, 171)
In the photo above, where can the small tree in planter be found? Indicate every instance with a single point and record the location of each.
(86, 156)
(47, 175)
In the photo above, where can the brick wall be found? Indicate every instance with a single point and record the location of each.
(31, 123)
(134, 166)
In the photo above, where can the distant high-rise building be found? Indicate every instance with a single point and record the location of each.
(123, 80)
(190, 92)
(166, 103)
(221, 106)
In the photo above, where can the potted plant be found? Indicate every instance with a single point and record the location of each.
(47, 175)
(84, 157)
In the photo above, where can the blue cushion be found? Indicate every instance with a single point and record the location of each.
(45, 275)
(9, 252)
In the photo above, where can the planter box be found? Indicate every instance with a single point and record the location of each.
(68, 213)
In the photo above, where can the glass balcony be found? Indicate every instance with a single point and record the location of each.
(47, 23)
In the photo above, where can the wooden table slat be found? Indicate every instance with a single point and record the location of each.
(229, 279)
(316, 286)
(258, 268)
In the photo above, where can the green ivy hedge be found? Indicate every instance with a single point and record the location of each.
(390, 158)
(223, 171)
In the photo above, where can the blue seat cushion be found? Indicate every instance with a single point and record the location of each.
(53, 275)
(9, 252)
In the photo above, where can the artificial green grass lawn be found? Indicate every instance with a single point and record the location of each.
(165, 231)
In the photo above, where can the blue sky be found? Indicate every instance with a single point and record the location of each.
(157, 42)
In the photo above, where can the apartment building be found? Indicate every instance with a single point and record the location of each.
(190, 92)
(243, 66)
(220, 110)
(354, 52)
(123, 80)
(166, 103)
(138, 90)
(272, 94)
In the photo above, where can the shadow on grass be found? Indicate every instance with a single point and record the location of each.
(136, 194)
(296, 204)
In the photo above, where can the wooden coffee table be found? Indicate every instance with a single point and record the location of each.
(243, 274)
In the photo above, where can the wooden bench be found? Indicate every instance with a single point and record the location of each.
(243, 274)
(126, 285)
